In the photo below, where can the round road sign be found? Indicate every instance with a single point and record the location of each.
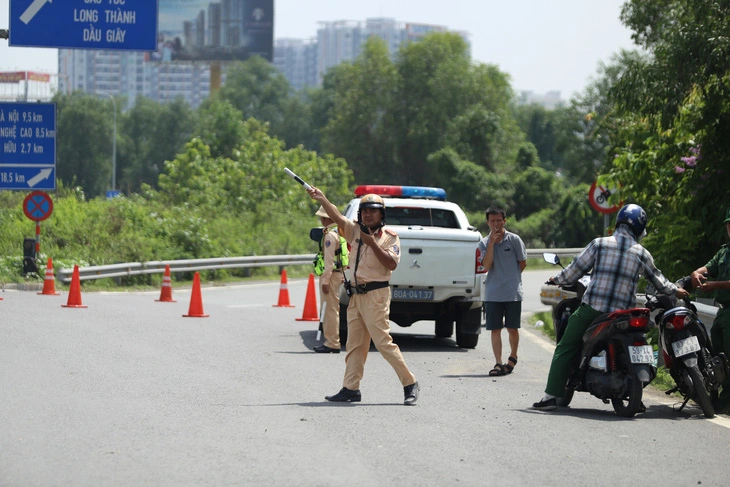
(598, 198)
(38, 206)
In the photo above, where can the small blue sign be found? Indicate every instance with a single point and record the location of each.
(85, 24)
(27, 146)
(112, 194)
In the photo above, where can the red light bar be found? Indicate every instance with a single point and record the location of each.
(379, 189)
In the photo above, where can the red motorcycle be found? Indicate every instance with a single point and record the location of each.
(616, 363)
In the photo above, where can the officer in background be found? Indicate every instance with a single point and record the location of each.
(375, 253)
(718, 270)
(331, 259)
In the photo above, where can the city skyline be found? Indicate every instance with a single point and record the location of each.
(543, 47)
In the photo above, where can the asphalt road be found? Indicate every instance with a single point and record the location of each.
(128, 392)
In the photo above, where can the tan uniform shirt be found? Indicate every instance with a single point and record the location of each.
(370, 269)
(330, 243)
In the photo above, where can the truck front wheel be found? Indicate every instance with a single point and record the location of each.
(444, 326)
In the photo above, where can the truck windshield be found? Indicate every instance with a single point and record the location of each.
(425, 217)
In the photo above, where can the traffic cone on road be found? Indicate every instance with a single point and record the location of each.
(283, 293)
(49, 283)
(310, 303)
(74, 293)
(166, 291)
(196, 300)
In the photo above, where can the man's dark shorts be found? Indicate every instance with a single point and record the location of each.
(510, 311)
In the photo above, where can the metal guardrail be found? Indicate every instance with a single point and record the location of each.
(549, 295)
(158, 267)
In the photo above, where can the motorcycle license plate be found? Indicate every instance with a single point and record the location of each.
(641, 355)
(685, 346)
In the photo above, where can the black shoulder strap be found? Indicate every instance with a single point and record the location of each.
(357, 261)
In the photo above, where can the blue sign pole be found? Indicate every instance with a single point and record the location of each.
(28, 146)
(85, 24)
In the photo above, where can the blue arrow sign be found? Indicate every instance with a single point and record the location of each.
(85, 24)
(27, 178)
(27, 146)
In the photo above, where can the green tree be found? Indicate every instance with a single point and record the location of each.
(359, 128)
(535, 190)
(152, 133)
(671, 146)
(220, 126)
(258, 90)
(84, 142)
(440, 92)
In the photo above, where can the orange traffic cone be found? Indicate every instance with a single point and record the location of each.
(310, 303)
(166, 291)
(283, 293)
(196, 300)
(49, 283)
(74, 293)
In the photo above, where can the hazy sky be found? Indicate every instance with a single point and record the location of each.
(543, 45)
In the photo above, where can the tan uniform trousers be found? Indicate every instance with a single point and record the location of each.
(367, 317)
(331, 306)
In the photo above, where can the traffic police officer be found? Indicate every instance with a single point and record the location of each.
(718, 268)
(375, 253)
(329, 268)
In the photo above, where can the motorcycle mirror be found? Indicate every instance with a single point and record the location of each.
(551, 258)
(316, 234)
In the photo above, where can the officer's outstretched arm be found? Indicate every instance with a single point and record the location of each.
(329, 208)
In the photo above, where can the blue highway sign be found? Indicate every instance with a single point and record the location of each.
(85, 24)
(27, 146)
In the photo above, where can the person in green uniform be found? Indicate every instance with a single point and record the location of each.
(718, 270)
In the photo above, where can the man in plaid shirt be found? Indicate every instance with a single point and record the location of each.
(616, 263)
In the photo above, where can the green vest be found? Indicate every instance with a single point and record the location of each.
(342, 255)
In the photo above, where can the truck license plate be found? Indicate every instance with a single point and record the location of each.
(685, 346)
(413, 294)
(641, 355)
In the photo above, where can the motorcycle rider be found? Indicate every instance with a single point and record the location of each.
(616, 263)
(718, 268)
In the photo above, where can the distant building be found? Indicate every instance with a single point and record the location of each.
(297, 60)
(342, 40)
(549, 100)
(302, 61)
(129, 74)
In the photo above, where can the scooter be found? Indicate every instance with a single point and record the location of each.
(687, 351)
(615, 363)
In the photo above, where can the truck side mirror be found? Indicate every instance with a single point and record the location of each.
(316, 234)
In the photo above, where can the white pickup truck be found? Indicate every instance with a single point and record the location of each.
(438, 278)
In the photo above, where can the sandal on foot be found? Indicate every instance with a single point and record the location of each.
(497, 370)
(510, 365)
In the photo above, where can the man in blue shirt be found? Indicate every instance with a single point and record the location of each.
(504, 257)
(616, 263)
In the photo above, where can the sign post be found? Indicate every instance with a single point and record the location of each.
(85, 24)
(27, 146)
(598, 198)
(37, 206)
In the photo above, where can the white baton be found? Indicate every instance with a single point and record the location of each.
(296, 178)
